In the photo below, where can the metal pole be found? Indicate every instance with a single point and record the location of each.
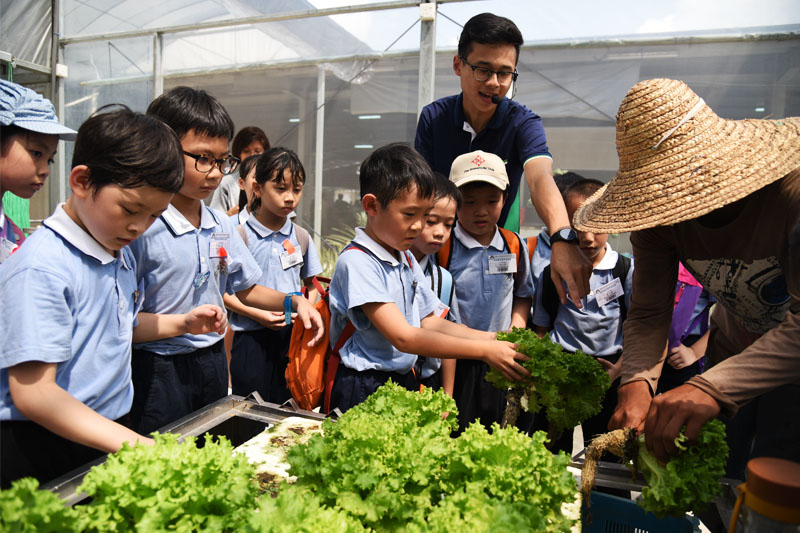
(158, 65)
(318, 156)
(58, 179)
(427, 54)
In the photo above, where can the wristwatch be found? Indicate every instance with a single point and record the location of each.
(565, 235)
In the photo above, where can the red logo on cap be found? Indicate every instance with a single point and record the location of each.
(478, 160)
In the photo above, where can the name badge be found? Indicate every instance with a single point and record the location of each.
(441, 310)
(6, 248)
(291, 256)
(608, 292)
(503, 264)
(220, 245)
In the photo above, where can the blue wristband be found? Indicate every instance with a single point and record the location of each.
(287, 306)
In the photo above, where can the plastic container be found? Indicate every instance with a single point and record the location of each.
(612, 514)
(769, 502)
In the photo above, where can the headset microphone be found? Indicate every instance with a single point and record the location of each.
(496, 99)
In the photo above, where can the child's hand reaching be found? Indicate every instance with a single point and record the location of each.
(612, 369)
(503, 356)
(273, 320)
(310, 318)
(681, 356)
(206, 319)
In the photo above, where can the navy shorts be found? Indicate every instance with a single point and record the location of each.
(258, 363)
(169, 387)
(351, 387)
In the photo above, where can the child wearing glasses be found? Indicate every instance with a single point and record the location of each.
(287, 256)
(192, 255)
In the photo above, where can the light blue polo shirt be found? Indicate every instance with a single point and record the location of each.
(430, 268)
(376, 276)
(541, 258)
(241, 217)
(266, 246)
(485, 300)
(594, 330)
(175, 265)
(65, 300)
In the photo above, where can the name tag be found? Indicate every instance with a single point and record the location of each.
(503, 264)
(6, 248)
(441, 310)
(290, 260)
(608, 292)
(220, 245)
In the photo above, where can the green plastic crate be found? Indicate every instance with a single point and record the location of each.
(611, 514)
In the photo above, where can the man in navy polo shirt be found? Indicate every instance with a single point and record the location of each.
(488, 51)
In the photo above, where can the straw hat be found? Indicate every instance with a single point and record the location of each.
(678, 160)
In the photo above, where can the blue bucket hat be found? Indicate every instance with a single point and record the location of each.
(24, 108)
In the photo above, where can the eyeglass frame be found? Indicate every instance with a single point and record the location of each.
(235, 162)
(514, 75)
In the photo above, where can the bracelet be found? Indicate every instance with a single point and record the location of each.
(287, 306)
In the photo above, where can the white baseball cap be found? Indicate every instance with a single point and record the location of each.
(479, 166)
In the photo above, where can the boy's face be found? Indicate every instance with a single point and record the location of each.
(437, 228)
(199, 185)
(278, 198)
(113, 215)
(396, 226)
(480, 210)
(593, 245)
(478, 94)
(25, 162)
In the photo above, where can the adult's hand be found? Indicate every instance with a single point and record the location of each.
(567, 263)
(670, 412)
(633, 402)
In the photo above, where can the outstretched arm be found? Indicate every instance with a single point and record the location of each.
(202, 319)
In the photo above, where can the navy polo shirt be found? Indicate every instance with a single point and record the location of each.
(515, 134)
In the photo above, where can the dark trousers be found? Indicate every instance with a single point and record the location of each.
(28, 449)
(476, 398)
(352, 387)
(768, 426)
(258, 363)
(434, 381)
(169, 387)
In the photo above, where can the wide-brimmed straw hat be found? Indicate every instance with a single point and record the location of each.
(678, 160)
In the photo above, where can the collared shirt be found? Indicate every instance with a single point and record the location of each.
(241, 217)
(180, 268)
(514, 133)
(485, 300)
(11, 237)
(430, 268)
(267, 246)
(65, 300)
(376, 276)
(541, 258)
(594, 330)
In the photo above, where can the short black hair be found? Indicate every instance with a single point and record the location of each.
(246, 137)
(566, 180)
(272, 165)
(585, 188)
(129, 149)
(488, 28)
(393, 169)
(185, 109)
(446, 189)
(9, 132)
(244, 169)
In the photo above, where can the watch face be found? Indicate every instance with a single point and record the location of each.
(568, 234)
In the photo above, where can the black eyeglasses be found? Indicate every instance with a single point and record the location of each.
(205, 164)
(484, 74)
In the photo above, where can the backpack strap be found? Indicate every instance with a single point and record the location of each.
(514, 244)
(620, 270)
(550, 299)
(303, 238)
(445, 253)
(532, 242)
(243, 234)
(446, 287)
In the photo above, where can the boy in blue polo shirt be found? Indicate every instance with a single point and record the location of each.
(379, 288)
(595, 329)
(69, 298)
(433, 372)
(491, 268)
(191, 255)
